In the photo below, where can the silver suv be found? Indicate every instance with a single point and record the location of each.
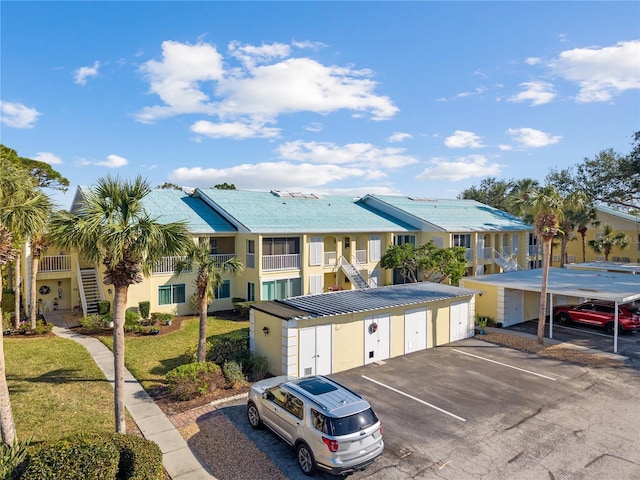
(331, 427)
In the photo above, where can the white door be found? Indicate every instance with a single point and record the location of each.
(415, 330)
(314, 354)
(376, 338)
(458, 321)
(514, 313)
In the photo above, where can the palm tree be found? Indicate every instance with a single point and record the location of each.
(25, 211)
(7, 426)
(38, 244)
(608, 240)
(113, 227)
(208, 279)
(544, 205)
(583, 221)
(576, 209)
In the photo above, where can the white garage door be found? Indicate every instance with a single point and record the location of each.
(314, 351)
(376, 338)
(515, 307)
(415, 330)
(458, 321)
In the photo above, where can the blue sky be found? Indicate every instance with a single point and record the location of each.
(416, 98)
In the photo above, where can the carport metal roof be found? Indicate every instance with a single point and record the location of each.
(602, 285)
(365, 300)
(621, 267)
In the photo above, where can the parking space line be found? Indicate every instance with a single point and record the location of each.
(414, 398)
(504, 364)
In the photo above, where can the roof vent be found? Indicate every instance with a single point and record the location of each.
(283, 194)
(423, 199)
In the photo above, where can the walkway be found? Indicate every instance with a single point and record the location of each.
(178, 459)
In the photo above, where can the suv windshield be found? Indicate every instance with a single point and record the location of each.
(351, 424)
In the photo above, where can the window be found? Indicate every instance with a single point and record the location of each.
(169, 294)
(319, 421)
(461, 241)
(281, 246)
(402, 239)
(224, 290)
(374, 248)
(251, 291)
(251, 254)
(347, 242)
(281, 289)
(286, 400)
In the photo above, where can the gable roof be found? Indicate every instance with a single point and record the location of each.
(619, 214)
(365, 300)
(452, 215)
(278, 212)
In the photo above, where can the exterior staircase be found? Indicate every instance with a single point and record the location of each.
(508, 263)
(352, 273)
(89, 290)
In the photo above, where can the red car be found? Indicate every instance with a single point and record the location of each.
(599, 313)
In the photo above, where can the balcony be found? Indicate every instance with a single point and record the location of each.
(55, 263)
(281, 262)
(330, 259)
(168, 264)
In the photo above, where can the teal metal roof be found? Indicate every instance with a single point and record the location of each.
(175, 205)
(452, 215)
(267, 212)
(617, 213)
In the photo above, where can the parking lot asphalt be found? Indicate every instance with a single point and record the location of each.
(474, 410)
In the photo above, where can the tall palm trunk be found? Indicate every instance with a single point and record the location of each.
(17, 286)
(35, 261)
(119, 311)
(202, 338)
(542, 312)
(7, 425)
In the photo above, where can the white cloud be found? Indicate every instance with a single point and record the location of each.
(268, 175)
(477, 91)
(314, 127)
(48, 157)
(530, 137)
(113, 161)
(538, 92)
(235, 130)
(363, 155)
(264, 86)
(504, 147)
(399, 137)
(601, 72)
(18, 115)
(472, 166)
(533, 61)
(176, 79)
(83, 73)
(463, 139)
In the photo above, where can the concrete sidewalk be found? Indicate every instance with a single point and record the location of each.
(178, 459)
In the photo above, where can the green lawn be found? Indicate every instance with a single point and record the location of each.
(56, 389)
(150, 357)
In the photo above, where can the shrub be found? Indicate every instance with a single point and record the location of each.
(8, 301)
(144, 308)
(232, 346)
(93, 323)
(257, 367)
(191, 353)
(131, 321)
(243, 309)
(6, 320)
(140, 459)
(232, 371)
(162, 317)
(11, 458)
(194, 379)
(80, 456)
(104, 306)
(42, 328)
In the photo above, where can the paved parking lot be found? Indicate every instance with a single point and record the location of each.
(473, 410)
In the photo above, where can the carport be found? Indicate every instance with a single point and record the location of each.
(500, 292)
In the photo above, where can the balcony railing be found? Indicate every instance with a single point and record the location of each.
(55, 263)
(330, 259)
(485, 253)
(361, 256)
(168, 264)
(469, 254)
(281, 262)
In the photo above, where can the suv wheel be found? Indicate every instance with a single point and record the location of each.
(564, 319)
(305, 459)
(253, 416)
(610, 327)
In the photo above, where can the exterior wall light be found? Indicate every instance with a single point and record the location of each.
(265, 330)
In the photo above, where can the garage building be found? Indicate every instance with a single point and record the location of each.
(335, 331)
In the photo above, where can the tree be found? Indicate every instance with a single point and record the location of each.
(39, 244)
(43, 173)
(450, 263)
(169, 186)
(7, 425)
(208, 279)
(112, 227)
(545, 206)
(25, 211)
(608, 241)
(225, 186)
(404, 257)
(490, 192)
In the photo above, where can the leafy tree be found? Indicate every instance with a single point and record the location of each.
(490, 192)
(545, 206)
(8, 254)
(225, 186)
(608, 241)
(113, 227)
(405, 257)
(43, 173)
(169, 186)
(208, 279)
